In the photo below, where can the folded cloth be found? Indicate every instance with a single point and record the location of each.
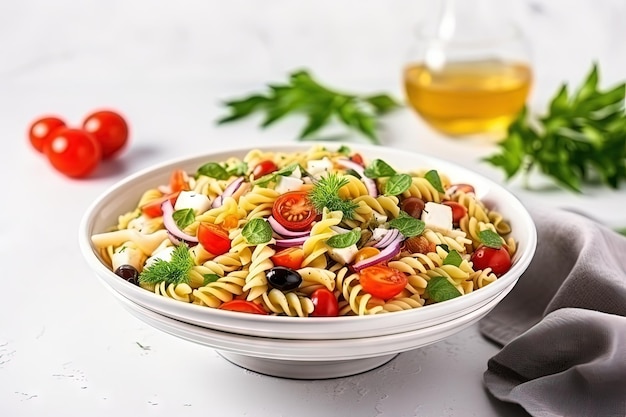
(563, 326)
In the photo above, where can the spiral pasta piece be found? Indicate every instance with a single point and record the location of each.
(402, 303)
(221, 291)
(180, 292)
(315, 246)
(358, 301)
(314, 278)
(256, 281)
(422, 188)
(453, 242)
(289, 303)
(353, 189)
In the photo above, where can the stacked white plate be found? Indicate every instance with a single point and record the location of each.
(312, 347)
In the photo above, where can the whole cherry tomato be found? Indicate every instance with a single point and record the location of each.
(264, 168)
(382, 281)
(73, 152)
(110, 130)
(294, 211)
(43, 128)
(325, 303)
(498, 260)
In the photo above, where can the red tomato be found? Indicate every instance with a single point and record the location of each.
(382, 281)
(73, 152)
(290, 258)
(464, 188)
(294, 211)
(498, 260)
(179, 181)
(458, 210)
(153, 208)
(357, 158)
(242, 306)
(213, 238)
(264, 168)
(109, 128)
(41, 129)
(325, 303)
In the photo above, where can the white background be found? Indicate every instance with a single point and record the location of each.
(66, 347)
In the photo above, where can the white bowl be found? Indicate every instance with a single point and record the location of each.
(414, 326)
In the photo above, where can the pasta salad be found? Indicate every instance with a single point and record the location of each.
(321, 232)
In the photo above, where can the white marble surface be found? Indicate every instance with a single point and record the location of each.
(66, 347)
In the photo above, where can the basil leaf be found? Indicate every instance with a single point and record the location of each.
(407, 225)
(213, 170)
(453, 258)
(440, 289)
(209, 278)
(344, 240)
(257, 231)
(433, 178)
(238, 169)
(284, 172)
(490, 238)
(184, 217)
(397, 184)
(379, 168)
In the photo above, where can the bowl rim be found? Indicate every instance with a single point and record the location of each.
(505, 282)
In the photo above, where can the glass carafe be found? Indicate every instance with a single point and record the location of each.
(470, 71)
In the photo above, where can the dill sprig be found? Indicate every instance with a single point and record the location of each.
(325, 194)
(176, 271)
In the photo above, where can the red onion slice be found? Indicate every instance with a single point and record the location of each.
(284, 232)
(228, 191)
(288, 243)
(390, 236)
(370, 184)
(172, 227)
(384, 255)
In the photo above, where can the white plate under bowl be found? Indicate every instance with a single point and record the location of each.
(301, 358)
(123, 197)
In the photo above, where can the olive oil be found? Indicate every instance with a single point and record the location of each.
(469, 97)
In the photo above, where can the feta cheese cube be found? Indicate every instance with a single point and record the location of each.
(164, 253)
(343, 255)
(127, 255)
(437, 216)
(380, 218)
(192, 200)
(286, 184)
(318, 167)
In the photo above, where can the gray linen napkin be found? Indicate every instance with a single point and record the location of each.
(563, 326)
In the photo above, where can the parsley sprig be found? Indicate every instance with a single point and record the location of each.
(321, 105)
(581, 139)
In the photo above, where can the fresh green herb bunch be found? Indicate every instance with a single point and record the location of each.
(325, 194)
(582, 138)
(304, 95)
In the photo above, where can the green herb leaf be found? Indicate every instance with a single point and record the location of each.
(344, 150)
(302, 94)
(213, 170)
(581, 139)
(237, 169)
(433, 178)
(344, 240)
(440, 289)
(273, 177)
(490, 238)
(453, 258)
(378, 168)
(325, 194)
(209, 278)
(176, 271)
(257, 231)
(407, 225)
(397, 184)
(184, 217)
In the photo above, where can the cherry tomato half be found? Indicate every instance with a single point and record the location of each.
(498, 260)
(294, 211)
(109, 128)
(73, 152)
(153, 208)
(242, 306)
(458, 210)
(213, 238)
(290, 258)
(264, 168)
(41, 129)
(357, 158)
(179, 181)
(382, 281)
(325, 303)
